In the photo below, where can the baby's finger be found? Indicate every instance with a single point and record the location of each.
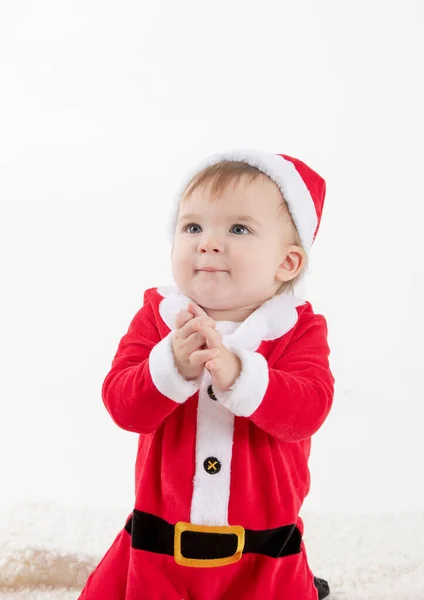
(194, 342)
(196, 310)
(201, 356)
(213, 338)
(214, 364)
(190, 326)
(183, 317)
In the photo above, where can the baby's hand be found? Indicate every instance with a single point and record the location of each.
(188, 344)
(225, 368)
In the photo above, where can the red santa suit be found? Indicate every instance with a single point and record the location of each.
(220, 476)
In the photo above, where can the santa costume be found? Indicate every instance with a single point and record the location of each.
(221, 476)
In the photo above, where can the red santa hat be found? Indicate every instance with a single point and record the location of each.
(303, 189)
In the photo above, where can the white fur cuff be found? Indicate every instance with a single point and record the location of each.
(248, 391)
(165, 374)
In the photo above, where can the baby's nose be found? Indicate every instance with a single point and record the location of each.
(209, 249)
(210, 244)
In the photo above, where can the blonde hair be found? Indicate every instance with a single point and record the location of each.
(225, 173)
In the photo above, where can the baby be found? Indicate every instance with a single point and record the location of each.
(225, 377)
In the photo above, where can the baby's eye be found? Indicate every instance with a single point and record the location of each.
(189, 228)
(236, 229)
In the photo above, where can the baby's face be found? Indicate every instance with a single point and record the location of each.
(243, 235)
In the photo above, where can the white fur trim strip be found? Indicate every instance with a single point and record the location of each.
(165, 374)
(282, 172)
(273, 319)
(248, 391)
(215, 428)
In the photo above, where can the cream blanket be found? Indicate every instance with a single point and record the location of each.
(47, 551)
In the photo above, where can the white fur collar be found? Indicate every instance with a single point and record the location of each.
(270, 321)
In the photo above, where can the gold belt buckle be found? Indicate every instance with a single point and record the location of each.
(181, 527)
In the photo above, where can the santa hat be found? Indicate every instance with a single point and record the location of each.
(303, 189)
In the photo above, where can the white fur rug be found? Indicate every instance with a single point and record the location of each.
(47, 551)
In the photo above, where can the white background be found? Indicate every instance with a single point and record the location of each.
(104, 107)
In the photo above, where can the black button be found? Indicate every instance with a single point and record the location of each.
(211, 394)
(212, 465)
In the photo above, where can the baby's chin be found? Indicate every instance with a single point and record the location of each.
(212, 297)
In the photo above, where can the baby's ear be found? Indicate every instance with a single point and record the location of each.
(293, 263)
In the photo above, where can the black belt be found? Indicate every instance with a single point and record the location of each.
(151, 533)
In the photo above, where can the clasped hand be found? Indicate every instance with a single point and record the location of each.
(196, 344)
